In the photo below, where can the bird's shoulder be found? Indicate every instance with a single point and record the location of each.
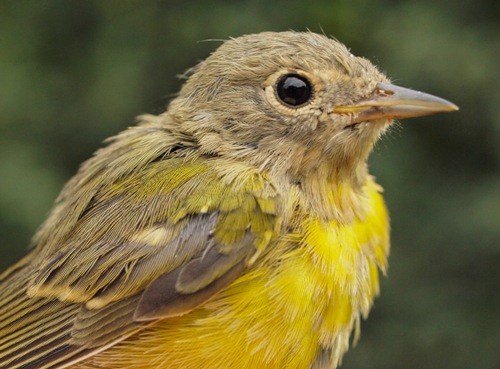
(197, 217)
(151, 244)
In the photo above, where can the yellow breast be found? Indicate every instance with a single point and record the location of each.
(280, 314)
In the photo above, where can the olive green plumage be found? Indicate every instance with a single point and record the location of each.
(238, 229)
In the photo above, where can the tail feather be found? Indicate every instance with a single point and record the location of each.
(27, 332)
(42, 333)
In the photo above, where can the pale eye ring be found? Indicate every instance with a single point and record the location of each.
(294, 90)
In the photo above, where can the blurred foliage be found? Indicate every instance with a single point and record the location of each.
(75, 72)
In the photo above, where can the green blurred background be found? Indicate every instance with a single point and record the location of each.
(75, 72)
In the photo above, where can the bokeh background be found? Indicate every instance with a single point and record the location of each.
(75, 72)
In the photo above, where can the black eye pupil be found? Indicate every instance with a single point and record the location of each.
(294, 90)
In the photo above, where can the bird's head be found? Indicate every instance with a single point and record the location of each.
(293, 103)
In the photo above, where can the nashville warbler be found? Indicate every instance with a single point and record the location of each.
(238, 229)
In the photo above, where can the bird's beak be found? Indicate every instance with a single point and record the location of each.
(392, 102)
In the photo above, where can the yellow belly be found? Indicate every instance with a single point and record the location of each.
(304, 297)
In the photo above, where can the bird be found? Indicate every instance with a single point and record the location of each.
(238, 229)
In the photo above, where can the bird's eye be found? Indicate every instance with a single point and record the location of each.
(294, 90)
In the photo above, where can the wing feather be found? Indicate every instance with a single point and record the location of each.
(116, 270)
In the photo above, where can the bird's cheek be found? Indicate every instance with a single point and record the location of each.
(335, 121)
(324, 115)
